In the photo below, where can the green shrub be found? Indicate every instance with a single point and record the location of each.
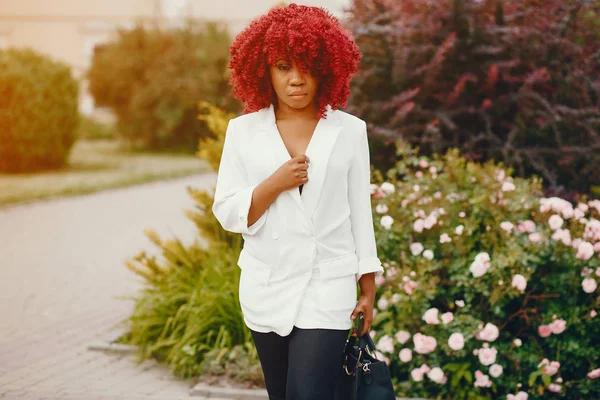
(189, 306)
(153, 80)
(38, 111)
(92, 129)
(472, 252)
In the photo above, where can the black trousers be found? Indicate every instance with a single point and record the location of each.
(305, 365)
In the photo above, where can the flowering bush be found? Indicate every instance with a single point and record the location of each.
(490, 290)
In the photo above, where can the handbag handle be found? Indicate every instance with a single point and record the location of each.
(365, 341)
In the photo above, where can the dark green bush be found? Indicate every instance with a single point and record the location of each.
(38, 111)
(153, 80)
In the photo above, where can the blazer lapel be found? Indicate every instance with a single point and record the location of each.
(319, 150)
(276, 147)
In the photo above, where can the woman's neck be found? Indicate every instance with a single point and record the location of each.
(283, 111)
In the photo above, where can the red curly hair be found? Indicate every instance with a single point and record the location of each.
(312, 37)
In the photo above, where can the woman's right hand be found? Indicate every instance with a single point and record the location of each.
(291, 174)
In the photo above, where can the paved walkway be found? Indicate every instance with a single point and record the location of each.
(62, 272)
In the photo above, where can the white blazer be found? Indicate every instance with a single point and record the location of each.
(329, 227)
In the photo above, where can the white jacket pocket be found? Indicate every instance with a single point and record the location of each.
(254, 268)
(337, 286)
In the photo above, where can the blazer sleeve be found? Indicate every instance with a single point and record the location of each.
(361, 214)
(233, 194)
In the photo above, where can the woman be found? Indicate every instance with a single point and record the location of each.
(294, 180)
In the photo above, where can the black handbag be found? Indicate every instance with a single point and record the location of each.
(364, 377)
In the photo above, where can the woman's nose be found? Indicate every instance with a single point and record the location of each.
(296, 77)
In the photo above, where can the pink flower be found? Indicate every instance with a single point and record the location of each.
(544, 330)
(518, 342)
(553, 387)
(409, 287)
(445, 238)
(382, 303)
(555, 222)
(419, 225)
(526, 226)
(481, 380)
(459, 303)
(564, 235)
(379, 280)
(405, 355)
(437, 375)
(550, 368)
(558, 205)
(428, 254)
(379, 194)
(519, 282)
(417, 374)
(424, 344)
(594, 374)
(459, 229)
(456, 341)
(589, 285)
(447, 317)
(381, 208)
(430, 221)
(431, 316)
(496, 370)
(489, 333)
(558, 326)
(487, 356)
(535, 237)
(385, 344)
(507, 226)
(388, 188)
(416, 248)
(518, 396)
(508, 187)
(585, 251)
(423, 164)
(480, 265)
(593, 313)
(598, 269)
(402, 336)
(386, 221)
(425, 368)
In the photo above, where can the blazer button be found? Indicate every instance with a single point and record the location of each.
(275, 235)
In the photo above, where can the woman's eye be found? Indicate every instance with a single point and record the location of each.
(282, 67)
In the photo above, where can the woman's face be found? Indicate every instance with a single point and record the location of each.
(293, 88)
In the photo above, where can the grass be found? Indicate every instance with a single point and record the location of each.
(97, 165)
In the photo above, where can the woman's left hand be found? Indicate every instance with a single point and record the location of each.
(365, 305)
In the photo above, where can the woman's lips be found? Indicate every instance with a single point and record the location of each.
(297, 95)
